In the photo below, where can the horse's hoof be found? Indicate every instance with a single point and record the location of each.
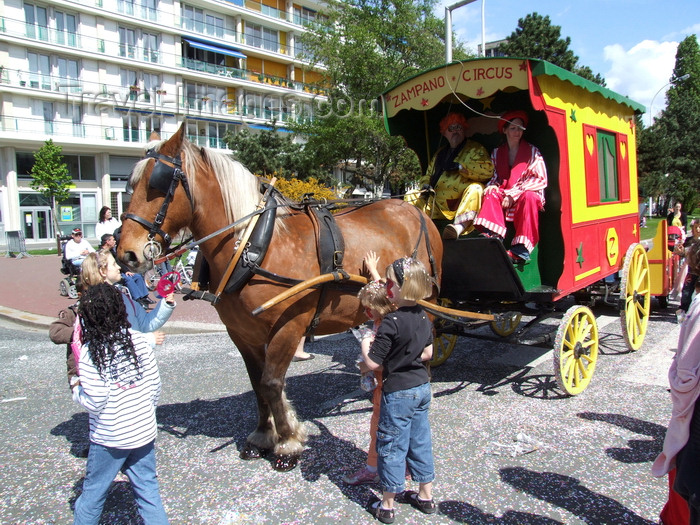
(285, 462)
(252, 452)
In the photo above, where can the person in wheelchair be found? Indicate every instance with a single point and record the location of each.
(133, 281)
(452, 187)
(77, 248)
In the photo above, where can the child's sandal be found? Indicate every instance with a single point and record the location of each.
(425, 506)
(383, 515)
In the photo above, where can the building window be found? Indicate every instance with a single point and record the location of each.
(253, 106)
(80, 167)
(271, 40)
(77, 117)
(130, 126)
(66, 28)
(69, 73)
(127, 42)
(303, 16)
(195, 19)
(83, 213)
(120, 167)
(153, 125)
(253, 35)
(25, 161)
(49, 117)
(263, 37)
(37, 24)
(150, 47)
(39, 71)
(146, 9)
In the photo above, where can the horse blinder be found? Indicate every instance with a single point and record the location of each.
(161, 177)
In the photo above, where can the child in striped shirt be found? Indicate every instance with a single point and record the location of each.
(119, 385)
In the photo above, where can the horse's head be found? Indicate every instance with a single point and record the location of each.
(161, 203)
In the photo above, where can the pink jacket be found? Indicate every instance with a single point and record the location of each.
(684, 378)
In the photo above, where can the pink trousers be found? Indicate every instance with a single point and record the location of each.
(525, 217)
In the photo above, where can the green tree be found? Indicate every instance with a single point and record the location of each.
(676, 133)
(365, 48)
(50, 177)
(267, 152)
(536, 37)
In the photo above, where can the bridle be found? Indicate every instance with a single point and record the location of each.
(166, 174)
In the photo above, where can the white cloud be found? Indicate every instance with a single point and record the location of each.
(640, 72)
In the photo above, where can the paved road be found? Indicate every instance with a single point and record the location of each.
(591, 464)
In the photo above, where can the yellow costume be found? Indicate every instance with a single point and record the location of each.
(458, 192)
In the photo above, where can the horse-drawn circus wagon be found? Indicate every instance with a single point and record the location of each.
(589, 229)
(276, 270)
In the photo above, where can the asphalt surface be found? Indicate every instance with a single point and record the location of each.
(509, 447)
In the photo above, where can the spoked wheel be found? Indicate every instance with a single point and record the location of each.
(576, 350)
(442, 348)
(151, 278)
(72, 291)
(63, 287)
(506, 325)
(635, 296)
(444, 343)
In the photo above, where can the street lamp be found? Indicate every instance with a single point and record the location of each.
(651, 104)
(448, 28)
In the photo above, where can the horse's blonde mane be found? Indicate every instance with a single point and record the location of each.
(239, 187)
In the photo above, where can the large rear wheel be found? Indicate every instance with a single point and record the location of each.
(635, 296)
(576, 350)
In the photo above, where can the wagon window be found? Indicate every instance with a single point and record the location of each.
(607, 167)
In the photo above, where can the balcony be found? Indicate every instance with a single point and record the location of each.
(47, 34)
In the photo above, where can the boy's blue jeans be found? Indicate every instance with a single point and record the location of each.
(103, 464)
(403, 438)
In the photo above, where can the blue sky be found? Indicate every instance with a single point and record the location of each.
(632, 43)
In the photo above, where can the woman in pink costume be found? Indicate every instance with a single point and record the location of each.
(516, 191)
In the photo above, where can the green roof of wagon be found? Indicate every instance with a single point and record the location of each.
(542, 67)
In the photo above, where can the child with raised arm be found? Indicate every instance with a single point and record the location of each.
(401, 346)
(376, 305)
(119, 385)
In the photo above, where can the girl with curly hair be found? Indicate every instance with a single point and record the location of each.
(119, 385)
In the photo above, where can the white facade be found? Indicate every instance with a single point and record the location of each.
(98, 76)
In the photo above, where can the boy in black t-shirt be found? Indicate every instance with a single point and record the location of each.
(402, 344)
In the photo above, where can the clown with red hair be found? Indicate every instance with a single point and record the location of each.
(516, 191)
(457, 174)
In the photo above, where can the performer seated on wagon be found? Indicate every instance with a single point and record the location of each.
(457, 174)
(516, 191)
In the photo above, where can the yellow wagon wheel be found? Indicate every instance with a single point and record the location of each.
(442, 348)
(444, 343)
(635, 296)
(576, 350)
(506, 325)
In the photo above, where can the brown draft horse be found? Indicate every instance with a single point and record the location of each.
(215, 190)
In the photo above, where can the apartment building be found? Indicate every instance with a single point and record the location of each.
(98, 76)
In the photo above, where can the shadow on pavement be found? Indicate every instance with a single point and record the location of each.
(638, 451)
(568, 493)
